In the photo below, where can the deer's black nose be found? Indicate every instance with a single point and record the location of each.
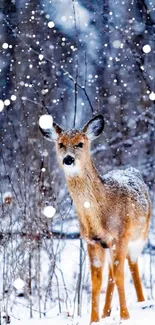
(68, 160)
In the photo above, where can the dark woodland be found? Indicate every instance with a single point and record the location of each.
(71, 60)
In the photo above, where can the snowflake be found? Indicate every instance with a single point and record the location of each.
(49, 211)
(146, 48)
(5, 46)
(117, 44)
(44, 91)
(41, 57)
(152, 96)
(87, 204)
(1, 105)
(13, 97)
(19, 284)
(46, 121)
(7, 102)
(7, 197)
(51, 24)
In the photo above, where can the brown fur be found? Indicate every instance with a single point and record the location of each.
(118, 215)
(114, 216)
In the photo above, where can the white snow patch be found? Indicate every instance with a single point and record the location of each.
(131, 181)
(135, 248)
(139, 316)
(96, 262)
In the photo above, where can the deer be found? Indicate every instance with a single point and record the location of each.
(113, 211)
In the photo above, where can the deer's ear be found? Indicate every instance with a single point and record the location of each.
(94, 127)
(48, 128)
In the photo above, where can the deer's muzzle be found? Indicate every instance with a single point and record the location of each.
(68, 160)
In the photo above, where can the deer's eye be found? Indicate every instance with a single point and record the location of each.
(80, 145)
(61, 145)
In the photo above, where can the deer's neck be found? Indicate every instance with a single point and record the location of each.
(87, 192)
(86, 182)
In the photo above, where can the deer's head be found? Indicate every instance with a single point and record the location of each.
(73, 146)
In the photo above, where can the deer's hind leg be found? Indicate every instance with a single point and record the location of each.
(109, 293)
(118, 273)
(134, 269)
(96, 257)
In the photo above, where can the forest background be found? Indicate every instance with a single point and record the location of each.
(70, 59)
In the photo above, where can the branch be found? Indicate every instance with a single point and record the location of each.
(40, 235)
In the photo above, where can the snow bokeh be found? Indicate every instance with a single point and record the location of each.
(49, 211)
(5, 46)
(19, 284)
(146, 48)
(152, 96)
(13, 97)
(7, 102)
(51, 24)
(1, 105)
(87, 204)
(46, 121)
(47, 48)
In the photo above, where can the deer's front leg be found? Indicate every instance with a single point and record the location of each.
(96, 256)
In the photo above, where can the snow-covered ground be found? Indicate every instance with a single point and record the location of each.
(141, 314)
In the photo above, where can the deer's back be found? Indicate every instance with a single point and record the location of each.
(127, 184)
(128, 198)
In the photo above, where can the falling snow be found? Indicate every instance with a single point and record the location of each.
(13, 97)
(46, 121)
(1, 105)
(49, 211)
(51, 24)
(19, 284)
(5, 46)
(6, 102)
(87, 204)
(41, 57)
(147, 48)
(152, 96)
(67, 61)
